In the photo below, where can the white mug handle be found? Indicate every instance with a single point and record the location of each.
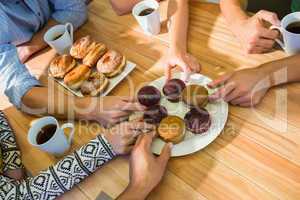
(70, 29)
(71, 126)
(280, 29)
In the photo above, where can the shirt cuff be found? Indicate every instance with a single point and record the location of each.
(107, 145)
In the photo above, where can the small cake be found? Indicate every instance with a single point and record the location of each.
(61, 65)
(111, 64)
(195, 96)
(81, 47)
(148, 96)
(172, 129)
(75, 78)
(197, 121)
(94, 54)
(154, 114)
(173, 89)
(94, 85)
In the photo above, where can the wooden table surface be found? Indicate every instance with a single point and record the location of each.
(257, 156)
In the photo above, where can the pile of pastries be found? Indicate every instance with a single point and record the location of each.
(88, 67)
(173, 128)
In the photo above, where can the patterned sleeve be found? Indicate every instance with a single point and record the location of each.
(10, 153)
(63, 176)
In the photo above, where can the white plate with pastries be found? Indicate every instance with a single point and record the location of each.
(91, 69)
(190, 142)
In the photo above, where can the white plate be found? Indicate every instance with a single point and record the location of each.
(192, 142)
(113, 82)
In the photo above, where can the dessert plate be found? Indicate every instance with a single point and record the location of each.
(192, 142)
(113, 82)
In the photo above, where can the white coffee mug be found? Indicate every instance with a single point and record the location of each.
(63, 43)
(291, 41)
(150, 23)
(58, 144)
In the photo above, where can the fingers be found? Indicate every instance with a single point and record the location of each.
(265, 43)
(241, 100)
(168, 73)
(165, 154)
(232, 95)
(132, 106)
(269, 17)
(219, 81)
(186, 70)
(141, 126)
(269, 33)
(222, 92)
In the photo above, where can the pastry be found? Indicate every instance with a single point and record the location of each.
(94, 54)
(197, 121)
(173, 89)
(94, 85)
(81, 47)
(61, 65)
(172, 129)
(195, 96)
(154, 114)
(111, 64)
(77, 76)
(148, 96)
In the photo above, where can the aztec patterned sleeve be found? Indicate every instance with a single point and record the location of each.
(62, 177)
(10, 153)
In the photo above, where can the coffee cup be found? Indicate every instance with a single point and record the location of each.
(43, 136)
(60, 38)
(290, 42)
(147, 14)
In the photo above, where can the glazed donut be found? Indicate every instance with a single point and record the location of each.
(77, 76)
(111, 64)
(94, 85)
(95, 53)
(81, 47)
(61, 65)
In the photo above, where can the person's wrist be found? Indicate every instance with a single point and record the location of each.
(83, 108)
(137, 191)
(266, 72)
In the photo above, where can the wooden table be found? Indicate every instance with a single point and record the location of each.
(257, 155)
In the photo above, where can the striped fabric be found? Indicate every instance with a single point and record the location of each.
(19, 21)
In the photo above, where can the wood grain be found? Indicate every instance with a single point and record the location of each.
(255, 157)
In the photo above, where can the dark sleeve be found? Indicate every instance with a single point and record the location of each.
(11, 155)
(63, 176)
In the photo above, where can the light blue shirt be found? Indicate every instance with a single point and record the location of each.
(19, 21)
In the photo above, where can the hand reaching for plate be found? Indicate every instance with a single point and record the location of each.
(185, 61)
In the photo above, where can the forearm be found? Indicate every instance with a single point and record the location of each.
(10, 152)
(233, 11)
(133, 193)
(37, 42)
(122, 7)
(63, 176)
(179, 25)
(52, 101)
(283, 71)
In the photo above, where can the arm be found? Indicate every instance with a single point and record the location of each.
(61, 177)
(247, 87)
(177, 54)
(73, 11)
(122, 7)
(252, 31)
(10, 152)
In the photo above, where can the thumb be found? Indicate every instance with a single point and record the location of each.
(168, 69)
(186, 70)
(219, 81)
(165, 154)
(269, 17)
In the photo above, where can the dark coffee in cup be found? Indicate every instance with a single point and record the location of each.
(46, 133)
(294, 27)
(57, 36)
(147, 11)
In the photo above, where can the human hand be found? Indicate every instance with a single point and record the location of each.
(146, 170)
(123, 136)
(185, 61)
(253, 34)
(110, 110)
(24, 53)
(245, 88)
(16, 174)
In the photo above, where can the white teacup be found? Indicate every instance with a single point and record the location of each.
(60, 38)
(150, 23)
(291, 41)
(58, 144)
